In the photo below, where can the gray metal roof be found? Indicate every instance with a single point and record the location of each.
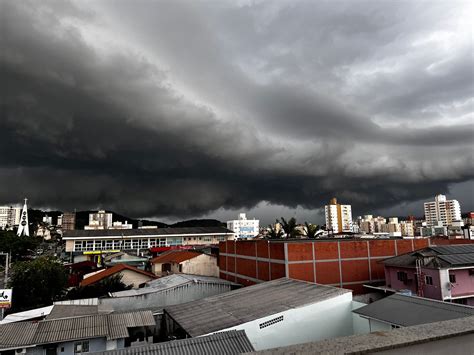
(229, 309)
(111, 326)
(225, 343)
(9, 334)
(458, 259)
(145, 232)
(436, 256)
(67, 311)
(409, 310)
(171, 281)
(454, 249)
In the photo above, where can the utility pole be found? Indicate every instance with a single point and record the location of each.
(7, 264)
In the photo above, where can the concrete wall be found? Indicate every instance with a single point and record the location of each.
(203, 264)
(327, 319)
(459, 345)
(130, 277)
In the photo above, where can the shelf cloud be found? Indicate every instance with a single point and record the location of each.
(178, 108)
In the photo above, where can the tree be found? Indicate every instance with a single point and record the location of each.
(290, 227)
(19, 248)
(312, 230)
(102, 288)
(37, 283)
(273, 232)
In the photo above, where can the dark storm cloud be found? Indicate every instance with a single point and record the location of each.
(178, 109)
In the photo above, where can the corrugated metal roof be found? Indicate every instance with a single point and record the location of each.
(225, 343)
(146, 232)
(454, 249)
(409, 310)
(17, 334)
(458, 259)
(67, 311)
(64, 329)
(111, 326)
(244, 305)
(171, 281)
(441, 256)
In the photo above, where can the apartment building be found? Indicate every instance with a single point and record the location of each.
(442, 210)
(243, 227)
(338, 217)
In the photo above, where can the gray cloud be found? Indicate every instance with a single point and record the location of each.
(179, 109)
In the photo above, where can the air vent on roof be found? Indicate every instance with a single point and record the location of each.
(271, 322)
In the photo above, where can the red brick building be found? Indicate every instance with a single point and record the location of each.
(347, 263)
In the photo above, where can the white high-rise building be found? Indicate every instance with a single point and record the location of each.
(9, 216)
(338, 217)
(243, 227)
(442, 210)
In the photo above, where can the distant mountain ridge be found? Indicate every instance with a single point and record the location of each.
(82, 219)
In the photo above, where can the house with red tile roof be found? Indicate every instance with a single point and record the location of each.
(130, 275)
(185, 261)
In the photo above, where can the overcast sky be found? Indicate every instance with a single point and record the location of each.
(188, 109)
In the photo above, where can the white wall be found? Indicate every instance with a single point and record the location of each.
(360, 325)
(130, 277)
(327, 319)
(203, 264)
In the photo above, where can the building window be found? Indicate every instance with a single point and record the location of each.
(271, 322)
(429, 280)
(395, 326)
(402, 276)
(81, 347)
(452, 278)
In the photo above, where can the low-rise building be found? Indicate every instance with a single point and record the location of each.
(166, 291)
(86, 244)
(185, 261)
(230, 343)
(74, 335)
(274, 313)
(453, 336)
(131, 276)
(400, 310)
(443, 273)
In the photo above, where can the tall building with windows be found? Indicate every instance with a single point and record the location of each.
(68, 221)
(243, 227)
(338, 217)
(442, 210)
(9, 216)
(99, 220)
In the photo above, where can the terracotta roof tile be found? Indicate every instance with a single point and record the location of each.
(111, 271)
(175, 256)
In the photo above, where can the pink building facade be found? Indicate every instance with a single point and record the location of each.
(443, 273)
